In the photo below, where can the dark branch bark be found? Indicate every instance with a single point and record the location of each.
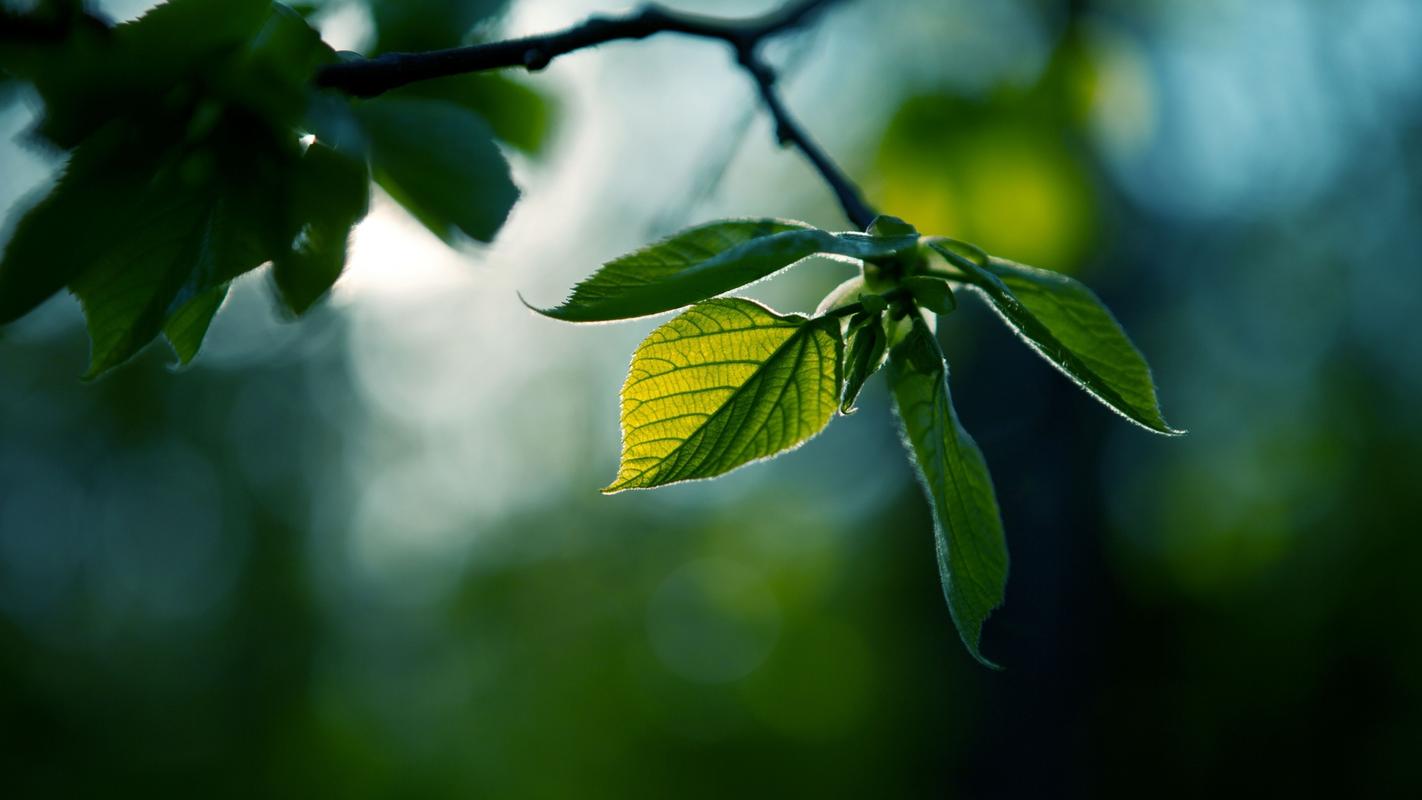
(369, 77)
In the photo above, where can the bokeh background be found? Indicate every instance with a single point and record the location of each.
(363, 555)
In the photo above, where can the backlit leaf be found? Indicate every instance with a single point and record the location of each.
(726, 383)
(706, 261)
(972, 551)
(1069, 326)
(868, 344)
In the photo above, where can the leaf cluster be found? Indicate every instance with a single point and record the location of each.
(728, 381)
(198, 150)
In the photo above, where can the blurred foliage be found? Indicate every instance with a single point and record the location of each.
(187, 168)
(188, 605)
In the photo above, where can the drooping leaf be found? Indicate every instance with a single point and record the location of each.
(972, 550)
(706, 261)
(726, 383)
(518, 114)
(187, 327)
(439, 161)
(183, 246)
(417, 25)
(1070, 327)
(868, 344)
(330, 193)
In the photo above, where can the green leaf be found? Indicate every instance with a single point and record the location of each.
(518, 114)
(726, 383)
(868, 344)
(972, 551)
(186, 329)
(933, 294)
(182, 247)
(330, 193)
(440, 162)
(141, 68)
(72, 226)
(1070, 327)
(887, 226)
(706, 261)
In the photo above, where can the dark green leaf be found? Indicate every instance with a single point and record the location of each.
(72, 226)
(186, 329)
(885, 226)
(726, 383)
(149, 66)
(1069, 326)
(933, 294)
(703, 262)
(867, 346)
(330, 193)
(440, 162)
(972, 551)
(182, 247)
(517, 113)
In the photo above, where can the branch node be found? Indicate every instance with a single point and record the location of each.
(535, 59)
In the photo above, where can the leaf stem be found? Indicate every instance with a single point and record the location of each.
(369, 77)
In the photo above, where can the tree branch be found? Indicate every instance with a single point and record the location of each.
(369, 77)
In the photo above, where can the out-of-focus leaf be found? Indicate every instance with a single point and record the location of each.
(416, 25)
(330, 193)
(184, 244)
(69, 229)
(187, 327)
(1070, 327)
(517, 113)
(271, 74)
(440, 162)
(972, 550)
(868, 344)
(726, 383)
(146, 67)
(705, 261)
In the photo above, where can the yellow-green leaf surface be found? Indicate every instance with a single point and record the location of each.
(972, 550)
(1068, 325)
(726, 383)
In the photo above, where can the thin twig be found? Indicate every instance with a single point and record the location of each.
(369, 77)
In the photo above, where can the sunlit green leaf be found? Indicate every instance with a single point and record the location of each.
(439, 161)
(706, 261)
(868, 344)
(330, 193)
(726, 383)
(1069, 326)
(972, 551)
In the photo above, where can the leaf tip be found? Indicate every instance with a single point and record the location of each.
(551, 313)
